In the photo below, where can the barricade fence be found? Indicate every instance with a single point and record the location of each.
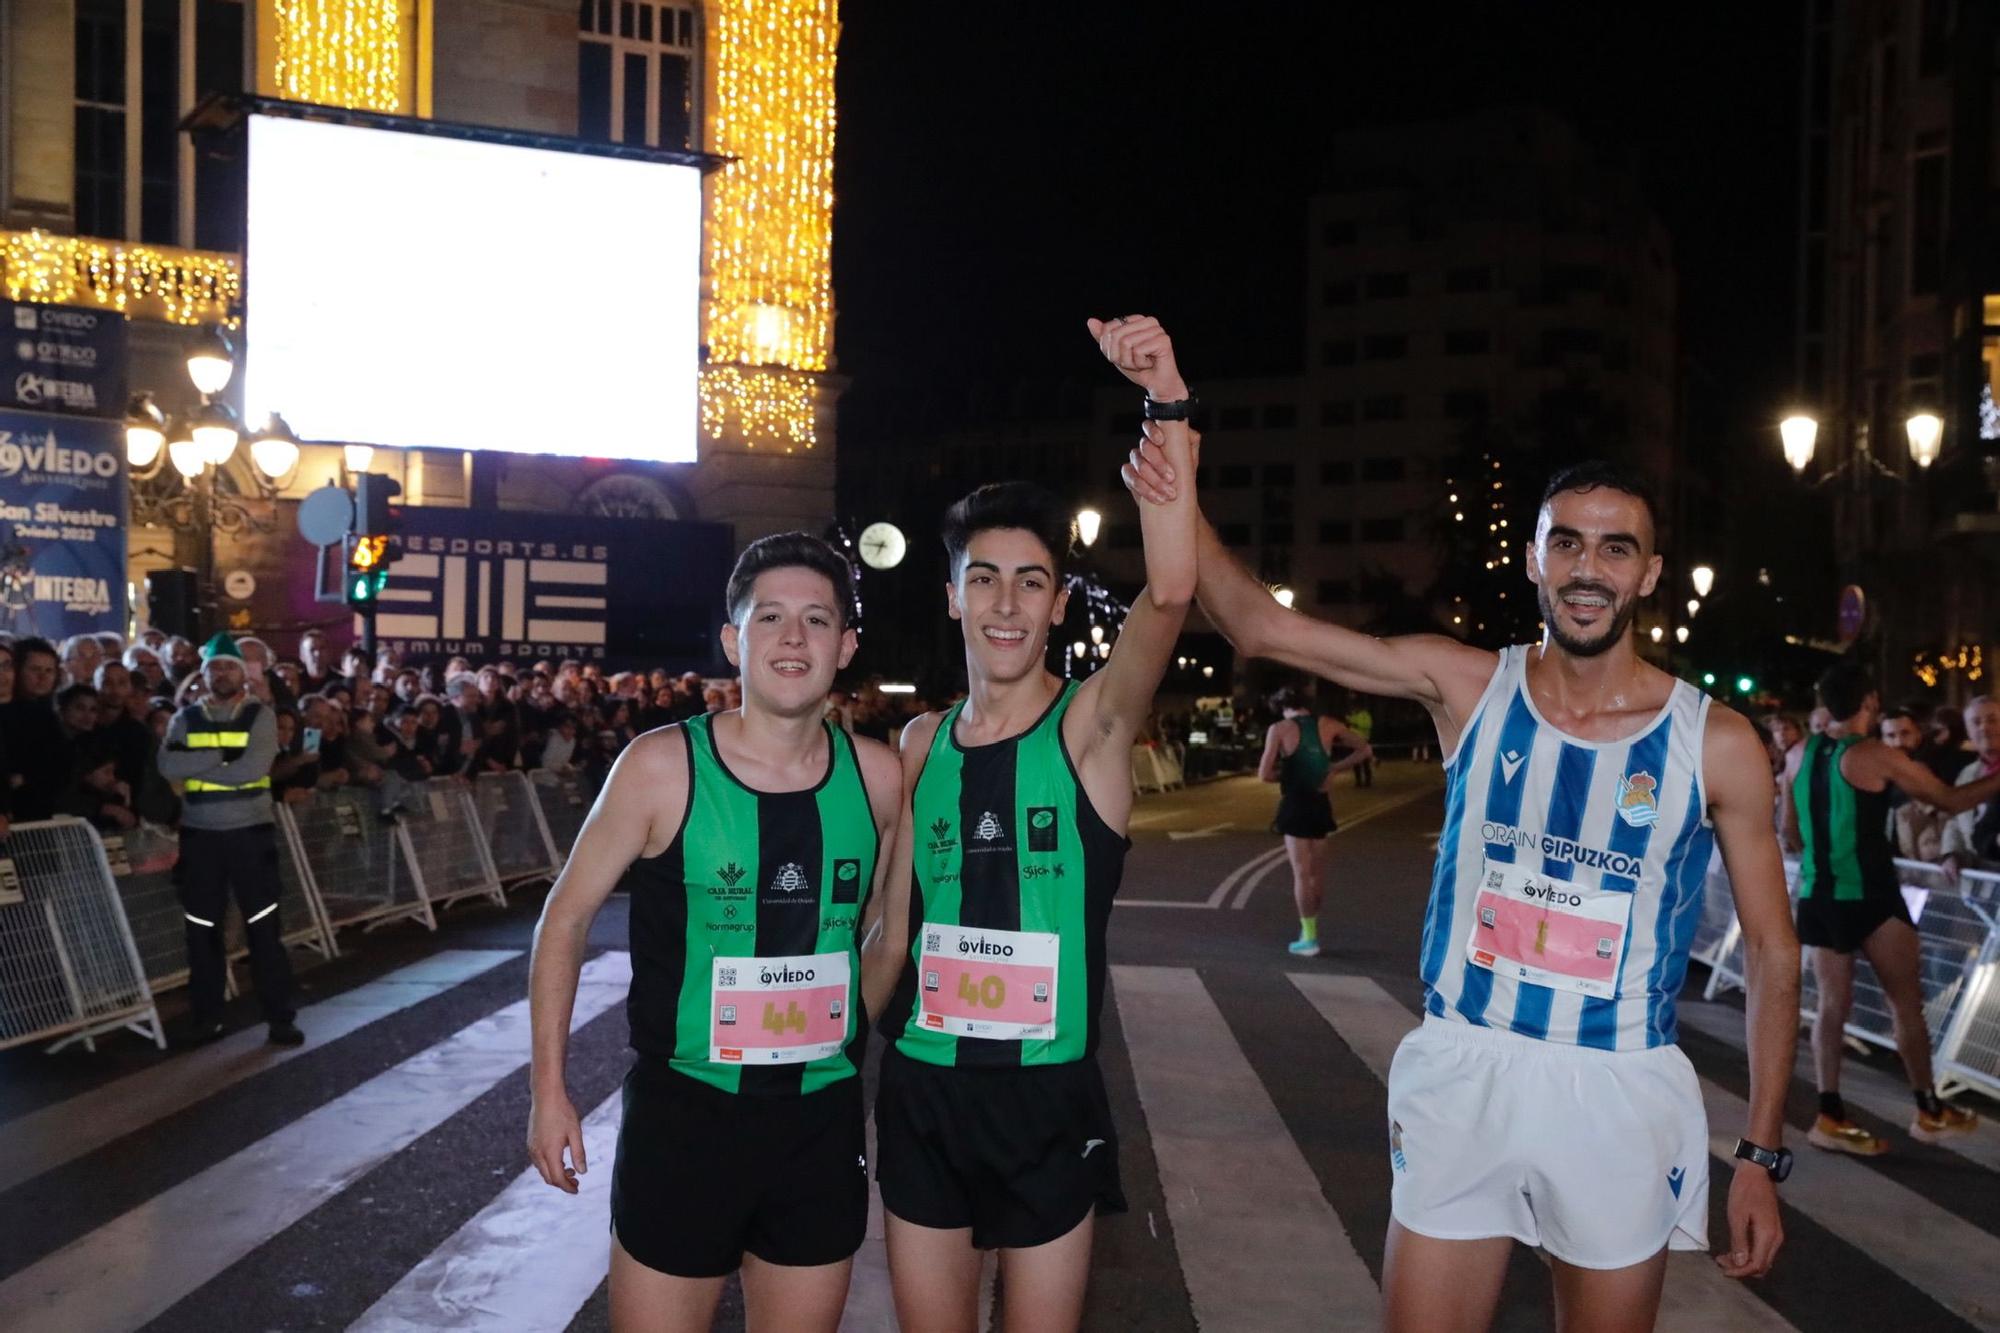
(69, 969)
(446, 845)
(517, 832)
(1958, 934)
(353, 859)
(564, 804)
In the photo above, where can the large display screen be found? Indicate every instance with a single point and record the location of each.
(418, 291)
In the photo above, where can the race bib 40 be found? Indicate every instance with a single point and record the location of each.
(995, 984)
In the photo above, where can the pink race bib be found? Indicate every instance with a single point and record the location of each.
(1549, 932)
(778, 1011)
(995, 984)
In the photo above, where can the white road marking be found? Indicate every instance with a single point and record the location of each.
(1243, 1201)
(44, 1139)
(134, 1267)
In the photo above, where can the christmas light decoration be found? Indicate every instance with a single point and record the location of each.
(340, 53)
(770, 219)
(142, 281)
(769, 406)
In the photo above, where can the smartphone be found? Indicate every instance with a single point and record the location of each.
(312, 740)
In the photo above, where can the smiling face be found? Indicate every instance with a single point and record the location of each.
(788, 640)
(1591, 564)
(1007, 596)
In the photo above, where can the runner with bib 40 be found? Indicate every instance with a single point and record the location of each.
(1544, 1099)
(992, 1125)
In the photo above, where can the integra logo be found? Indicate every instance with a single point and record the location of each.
(730, 874)
(985, 947)
(784, 976)
(1549, 893)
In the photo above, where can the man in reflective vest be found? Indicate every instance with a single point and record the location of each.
(220, 750)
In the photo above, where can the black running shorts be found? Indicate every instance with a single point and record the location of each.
(1304, 815)
(1842, 924)
(703, 1175)
(1018, 1155)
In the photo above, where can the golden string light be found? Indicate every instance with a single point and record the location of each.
(769, 406)
(770, 219)
(1969, 658)
(142, 281)
(341, 53)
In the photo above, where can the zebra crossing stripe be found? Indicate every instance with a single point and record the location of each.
(1243, 1200)
(1875, 1092)
(134, 1267)
(43, 1140)
(1697, 1297)
(529, 1259)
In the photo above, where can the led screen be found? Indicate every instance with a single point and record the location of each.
(417, 291)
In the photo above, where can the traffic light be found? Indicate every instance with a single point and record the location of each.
(1708, 679)
(372, 546)
(1744, 685)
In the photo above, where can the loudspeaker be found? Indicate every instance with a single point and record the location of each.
(171, 601)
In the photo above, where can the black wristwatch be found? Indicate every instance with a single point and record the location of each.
(1776, 1161)
(1180, 409)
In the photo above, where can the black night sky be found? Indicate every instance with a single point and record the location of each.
(1003, 170)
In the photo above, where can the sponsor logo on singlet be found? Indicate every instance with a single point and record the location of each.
(730, 874)
(1042, 827)
(1638, 800)
(1565, 849)
(847, 881)
(941, 841)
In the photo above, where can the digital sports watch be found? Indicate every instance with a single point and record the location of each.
(1777, 1162)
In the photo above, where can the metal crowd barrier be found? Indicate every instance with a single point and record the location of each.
(68, 966)
(1155, 769)
(142, 866)
(564, 805)
(516, 831)
(447, 847)
(1958, 933)
(356, 863)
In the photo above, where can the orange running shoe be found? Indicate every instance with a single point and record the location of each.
(1845, 1136)
(1927, 1128)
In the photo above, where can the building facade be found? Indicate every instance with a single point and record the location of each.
(1899, 314)
(107, 201)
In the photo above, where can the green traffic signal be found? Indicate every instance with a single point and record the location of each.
(1708, 678)
(1744, 684)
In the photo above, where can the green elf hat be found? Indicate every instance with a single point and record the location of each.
(221, 646)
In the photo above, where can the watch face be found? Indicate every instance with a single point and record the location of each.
(882, 545)
(1783, 1166)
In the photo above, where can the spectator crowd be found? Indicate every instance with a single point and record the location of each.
(81, 722)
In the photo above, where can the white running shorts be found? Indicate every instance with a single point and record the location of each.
(1599, 1157)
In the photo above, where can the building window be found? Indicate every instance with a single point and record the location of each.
(1477, 278)
(1386, 347)
(1336, 472)
(1383, 407)
(1467, 342)
(1279, 474)
(1335, 592)
(1340, 232)
(1337, 352)
(1571, 342)
(1336, 532)
(635, 73)
(1277, 534)
(1239, 417)
(1927, 222)
(1234, 534)
(1234, 476)
(100, 117)
(1339, 412)
(1337, 293)
(1382, 469)
(1280, 416)
(1465, 404)
(1381, 529)
(1388, 286)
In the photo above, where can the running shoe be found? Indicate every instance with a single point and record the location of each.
(1927, 1128)
(1845, 1136)
(1304, 948)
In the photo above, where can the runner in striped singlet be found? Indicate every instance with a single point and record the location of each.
(992, 1126)
(1851, 900)
(750, 841)
(1543, 1099)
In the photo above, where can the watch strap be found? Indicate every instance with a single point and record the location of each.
(1179, 409)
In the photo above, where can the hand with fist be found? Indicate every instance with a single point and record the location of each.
(1143, 353)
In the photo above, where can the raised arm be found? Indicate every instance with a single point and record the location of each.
(1740, 794)
(642, 805)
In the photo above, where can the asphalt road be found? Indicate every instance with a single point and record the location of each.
(374, 1179)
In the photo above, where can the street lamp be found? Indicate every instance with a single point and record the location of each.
(357, 456)
(1694, 607)
(1798, 431)
(1097, 634)
(212, 361)
(1681, 634)
(1657, 633)
(215, 432)
(1704, 580)
(1285, 597)
(1088, 521)
(275, 450)
(145, 430)
(1925, 429)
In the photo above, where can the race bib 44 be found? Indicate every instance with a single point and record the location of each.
(778, 1011)
(1548, 931)
(995, 984)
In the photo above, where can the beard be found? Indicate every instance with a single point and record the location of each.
(1622, 616)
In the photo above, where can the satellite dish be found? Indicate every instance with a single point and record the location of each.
(326, 516)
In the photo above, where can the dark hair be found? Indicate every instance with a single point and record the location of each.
(1903, 711)
(1291, 696)
(1953, 722)
(23, 648)
(69, 694)
(1843, 688)
(1007, 504)
(790, 550)
(1594, 473)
